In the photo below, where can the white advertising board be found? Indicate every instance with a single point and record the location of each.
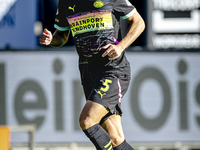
(174, 24)
(161, 105)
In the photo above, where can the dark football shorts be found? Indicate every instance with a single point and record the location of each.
(108, 91)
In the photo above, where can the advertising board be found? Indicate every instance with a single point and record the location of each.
(43, 88)
(174, 24)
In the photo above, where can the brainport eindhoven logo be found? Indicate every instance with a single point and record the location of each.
(7, 13)
(175, 24)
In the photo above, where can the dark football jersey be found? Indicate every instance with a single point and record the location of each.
(94, 24)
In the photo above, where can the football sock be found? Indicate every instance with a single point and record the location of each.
(123, 146)
(99, 137)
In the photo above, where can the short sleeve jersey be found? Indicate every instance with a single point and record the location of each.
(93, 23)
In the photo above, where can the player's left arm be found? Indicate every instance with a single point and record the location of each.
(137, 26)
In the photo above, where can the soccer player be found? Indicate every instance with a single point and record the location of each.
(104, 69)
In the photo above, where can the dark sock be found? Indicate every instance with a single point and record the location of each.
(99, 137)
(123, 146)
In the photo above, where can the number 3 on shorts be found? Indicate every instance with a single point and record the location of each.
(106, 88)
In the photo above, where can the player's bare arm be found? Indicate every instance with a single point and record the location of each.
(59, 38)
(136, 28)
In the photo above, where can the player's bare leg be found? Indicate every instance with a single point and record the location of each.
(89, 120)
(113, 127)
(91, 114)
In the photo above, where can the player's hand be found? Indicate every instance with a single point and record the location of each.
(46, 38)
(113, 51)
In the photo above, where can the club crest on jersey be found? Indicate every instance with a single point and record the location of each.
(98, 4)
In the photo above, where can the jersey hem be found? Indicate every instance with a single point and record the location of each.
(129, 14)
(62, 28)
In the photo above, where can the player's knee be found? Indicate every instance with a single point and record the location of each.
(85, 123)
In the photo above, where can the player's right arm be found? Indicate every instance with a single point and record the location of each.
(59, 38)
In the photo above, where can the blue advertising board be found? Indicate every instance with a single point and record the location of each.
(17, 23)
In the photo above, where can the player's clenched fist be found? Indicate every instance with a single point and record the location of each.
(46, 37)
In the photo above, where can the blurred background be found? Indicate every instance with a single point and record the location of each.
(40, 86)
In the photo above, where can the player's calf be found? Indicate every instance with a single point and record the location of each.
(117, 140)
